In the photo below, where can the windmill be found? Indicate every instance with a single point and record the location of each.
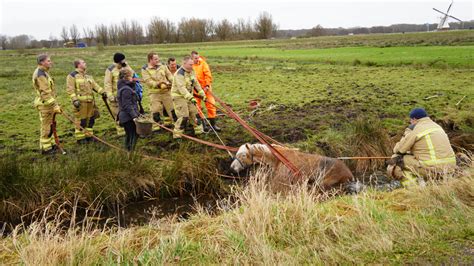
(443, 23)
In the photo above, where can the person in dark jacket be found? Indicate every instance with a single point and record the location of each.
(128, 107)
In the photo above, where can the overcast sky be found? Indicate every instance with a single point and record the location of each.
(43, 18)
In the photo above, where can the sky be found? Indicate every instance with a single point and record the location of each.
(44, 18)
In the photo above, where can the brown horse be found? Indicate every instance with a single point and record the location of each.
(327, 172)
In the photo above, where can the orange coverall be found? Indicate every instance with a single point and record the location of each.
(204, 77)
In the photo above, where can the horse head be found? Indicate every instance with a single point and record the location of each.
(243, 158)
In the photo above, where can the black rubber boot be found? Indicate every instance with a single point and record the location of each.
(213, 124)
(157, 118)
(205, 126)
(173, 114)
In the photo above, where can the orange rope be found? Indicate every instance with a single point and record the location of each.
(275, 152)
(109, 144)
(218, 146)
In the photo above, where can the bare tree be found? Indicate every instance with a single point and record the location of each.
(64, 35)
(54, 42)
(264, 26)
(89, 36)
(114, 34)
(161, 30)
(102, 35)
(20, 41)
(124, 32)
(195, 30)
(317, 31)
(74, 33)
(244, 29)
(136, 32)
(224, 30)
(3, 41)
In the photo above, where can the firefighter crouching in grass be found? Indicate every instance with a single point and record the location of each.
(184, 82)
(424, 151)
(45, 102)
(81, 88)
(157, 79)
(110, 85)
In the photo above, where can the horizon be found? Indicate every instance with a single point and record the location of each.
(298, 15)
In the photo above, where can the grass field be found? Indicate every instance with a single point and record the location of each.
(328, 95)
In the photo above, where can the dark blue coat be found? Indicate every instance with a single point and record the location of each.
(127, 101)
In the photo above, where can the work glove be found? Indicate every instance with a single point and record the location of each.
(76, 103)
(57, 109)
(193, 101)
(112, 98)
(163, 85)
(397, 159)
(204, 98)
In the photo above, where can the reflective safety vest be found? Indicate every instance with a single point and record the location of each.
(43, 85)
(434, 158)
(428, 142)
(81, 87)
(156, 79)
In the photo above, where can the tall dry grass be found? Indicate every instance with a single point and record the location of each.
(419, 224)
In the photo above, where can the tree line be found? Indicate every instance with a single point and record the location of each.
(158, 30)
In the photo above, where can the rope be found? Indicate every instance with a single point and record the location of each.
(212, 128)
(218, 146)
(107, 143)
(268, 138)
(275, 152)
(364, 158)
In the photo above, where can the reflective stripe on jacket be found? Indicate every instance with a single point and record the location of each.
(428, 142)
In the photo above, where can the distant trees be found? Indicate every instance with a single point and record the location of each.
(160, 30)
(89, 35)
(224, 30)
(3, 41)
(74, 33)
(317, 31)
(264, 26)
(64, 35)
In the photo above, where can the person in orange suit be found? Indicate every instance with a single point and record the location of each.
(204, 77)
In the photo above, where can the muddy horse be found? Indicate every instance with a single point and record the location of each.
(325, 171)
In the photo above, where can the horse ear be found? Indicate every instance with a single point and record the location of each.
(247, 145)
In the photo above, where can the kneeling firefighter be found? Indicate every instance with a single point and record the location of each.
(424, 151)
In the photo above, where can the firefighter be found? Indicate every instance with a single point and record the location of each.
(110, 85)
(45, 102)
(157, 79)
(81, 88)
(204, 77)
(183, 86)
(424, 151)
(172, 65)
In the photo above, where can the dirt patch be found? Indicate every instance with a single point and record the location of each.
(292, 124)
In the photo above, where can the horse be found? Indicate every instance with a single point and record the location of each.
(328, 172)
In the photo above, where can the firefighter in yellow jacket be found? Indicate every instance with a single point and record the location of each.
(184, 83)
(45, 102)
(110, 85)
(424, 151)
(81, 88)
(157, 80)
